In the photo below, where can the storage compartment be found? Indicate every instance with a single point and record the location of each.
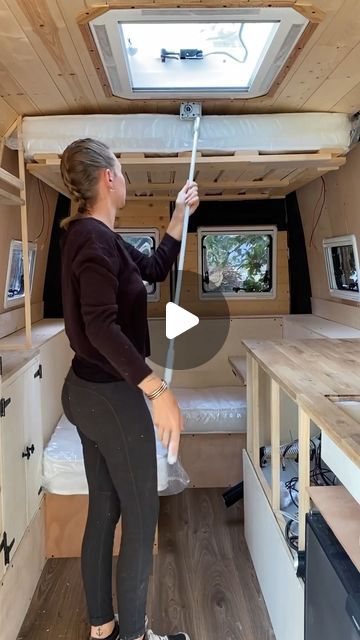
(332, 586)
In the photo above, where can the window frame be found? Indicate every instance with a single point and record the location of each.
(143, 231)
(339, 241)
(115, 61)
(19, 301)
(247, 230)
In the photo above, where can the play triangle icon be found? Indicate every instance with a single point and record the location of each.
(178, 320)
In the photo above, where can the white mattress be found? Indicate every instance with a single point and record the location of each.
(153, 133)
(208, 410)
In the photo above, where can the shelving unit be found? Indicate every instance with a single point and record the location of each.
(18, 199)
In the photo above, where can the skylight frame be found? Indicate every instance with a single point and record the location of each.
(116, 65)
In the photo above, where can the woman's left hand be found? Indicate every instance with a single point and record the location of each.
(187, 196)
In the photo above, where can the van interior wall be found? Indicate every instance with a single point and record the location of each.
(339, 216)
(41, 201)
(156, 214)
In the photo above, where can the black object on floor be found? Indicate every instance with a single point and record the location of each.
(233, 494)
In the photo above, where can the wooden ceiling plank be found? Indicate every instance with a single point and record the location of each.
(15, 95)
(336, 41)
(339, 83)
(70, 10)
(276, 101)
(350, 103)
(44, 27)
(22, 62)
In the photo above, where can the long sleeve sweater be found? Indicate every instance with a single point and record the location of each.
(105, 300)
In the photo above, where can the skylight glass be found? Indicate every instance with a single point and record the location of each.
(183, 56)
(202, 52)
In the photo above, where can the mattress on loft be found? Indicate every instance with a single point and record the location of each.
(206, 410)
(166, 134)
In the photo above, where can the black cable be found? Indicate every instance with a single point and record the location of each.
(323, 195)
(291, 539)
(43, 211)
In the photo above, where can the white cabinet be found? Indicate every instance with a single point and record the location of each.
(21, 455)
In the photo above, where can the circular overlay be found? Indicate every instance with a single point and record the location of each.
(201, 343)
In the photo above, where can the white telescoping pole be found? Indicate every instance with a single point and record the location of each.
(171, 349)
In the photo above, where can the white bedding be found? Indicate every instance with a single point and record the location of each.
(153, 133)
(211, 410)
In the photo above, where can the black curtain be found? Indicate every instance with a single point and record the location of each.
(299, 277)
(52, 286)
(245, 213)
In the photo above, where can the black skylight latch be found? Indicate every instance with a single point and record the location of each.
(183, 54)
(191, 54)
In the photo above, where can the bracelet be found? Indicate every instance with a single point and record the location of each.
(155, 394)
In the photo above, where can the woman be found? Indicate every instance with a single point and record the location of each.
(104, 301)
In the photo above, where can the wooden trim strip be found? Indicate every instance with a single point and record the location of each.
(24, 236)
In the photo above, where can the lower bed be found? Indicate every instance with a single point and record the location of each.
(210, 452)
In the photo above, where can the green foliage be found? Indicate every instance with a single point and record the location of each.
(238, 262)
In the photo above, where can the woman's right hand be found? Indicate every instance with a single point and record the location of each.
(169, 422)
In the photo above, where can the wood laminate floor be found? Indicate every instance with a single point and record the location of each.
(203, 580)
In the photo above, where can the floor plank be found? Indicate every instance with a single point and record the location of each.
(203, 580)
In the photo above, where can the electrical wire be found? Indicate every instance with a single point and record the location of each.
(43, 212)
(223, 53)
(291, 538)
(323, 196)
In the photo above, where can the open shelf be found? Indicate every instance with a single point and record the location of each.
(342, 514)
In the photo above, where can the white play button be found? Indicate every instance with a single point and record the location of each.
(178, 320)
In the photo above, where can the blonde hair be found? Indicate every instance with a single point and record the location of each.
(80, 165)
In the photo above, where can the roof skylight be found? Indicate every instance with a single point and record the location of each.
(201, 53)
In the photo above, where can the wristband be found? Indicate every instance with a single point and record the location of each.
(155, 394)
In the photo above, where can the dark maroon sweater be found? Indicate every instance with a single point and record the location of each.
(105, 300)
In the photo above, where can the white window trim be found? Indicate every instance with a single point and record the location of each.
(139, 231)
(19, 301)
(266, 229)
(338, 241)
(119, 64)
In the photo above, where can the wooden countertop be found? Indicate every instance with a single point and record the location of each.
(311, 372)
(14, 360)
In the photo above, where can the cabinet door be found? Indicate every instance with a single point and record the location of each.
(33, 441)
(12, 463)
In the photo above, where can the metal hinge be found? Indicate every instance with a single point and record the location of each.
(38, 373)
(4, 546)
(3, 404)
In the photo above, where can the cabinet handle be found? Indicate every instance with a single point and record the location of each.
(38, 373)
(29, 451)
(4, 546)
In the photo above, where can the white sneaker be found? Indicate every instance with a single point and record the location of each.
(150, 635)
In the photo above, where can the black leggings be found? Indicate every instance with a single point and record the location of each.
(118, 440)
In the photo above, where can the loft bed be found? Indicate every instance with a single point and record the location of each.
(239, 157)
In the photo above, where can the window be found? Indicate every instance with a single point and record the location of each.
(195, 52)
(145, 240)
(238, 263)
(342, 266)
(14, 290)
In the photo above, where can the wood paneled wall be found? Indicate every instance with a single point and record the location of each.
(156, 214)
(41, 201)
(340, 216)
